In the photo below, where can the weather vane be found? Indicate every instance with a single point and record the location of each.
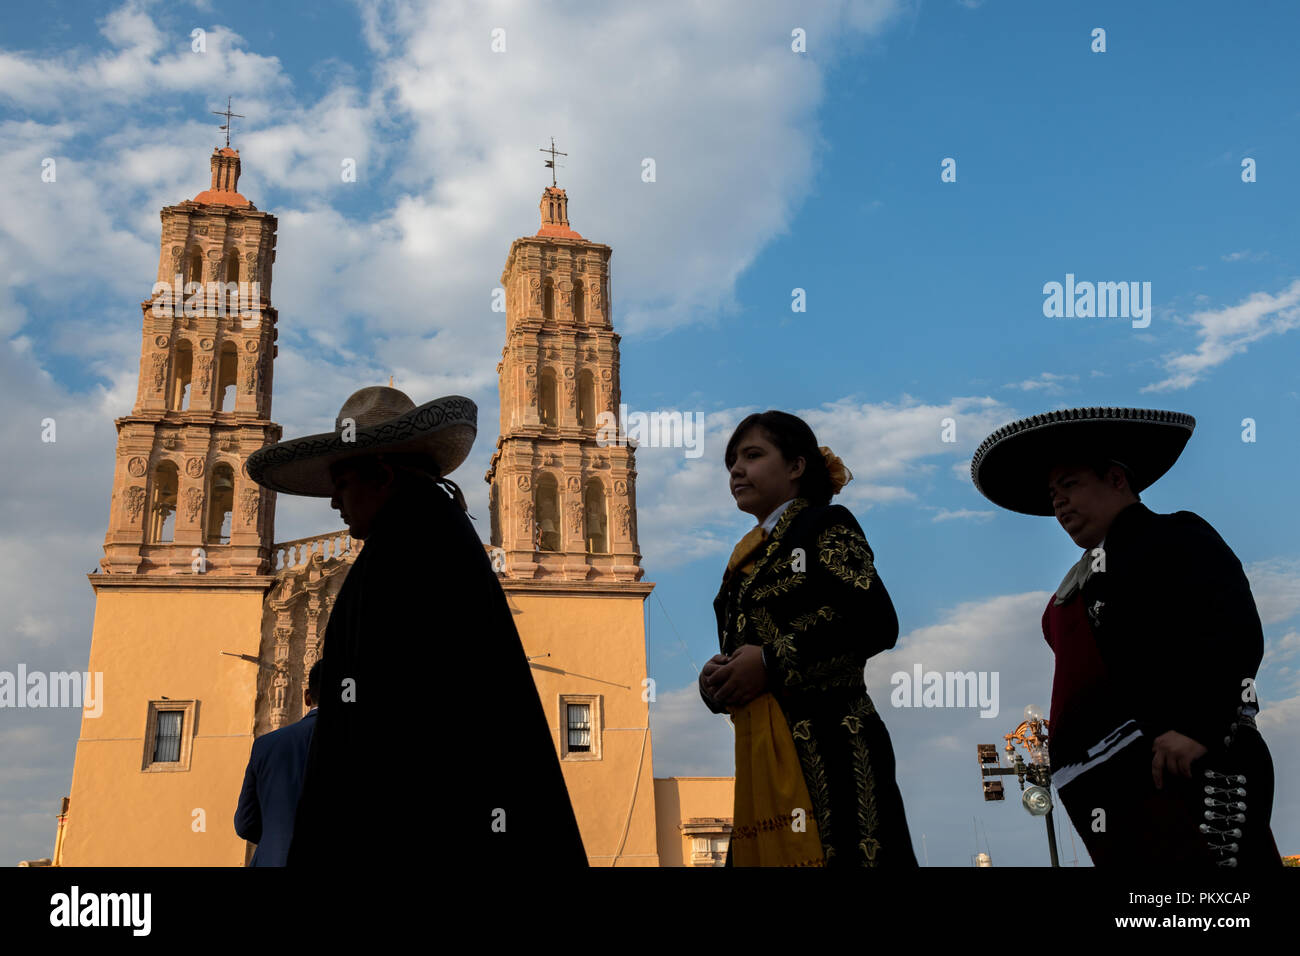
(550, 163)
(227, 114)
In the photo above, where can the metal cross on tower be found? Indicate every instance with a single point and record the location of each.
(227, 114)
(550, 163)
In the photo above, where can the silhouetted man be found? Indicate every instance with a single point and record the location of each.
(273, 782)
(431, 742)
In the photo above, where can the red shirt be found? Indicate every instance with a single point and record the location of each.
(1081, 711)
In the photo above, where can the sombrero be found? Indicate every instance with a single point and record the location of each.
(1010, 467)
(382, 419)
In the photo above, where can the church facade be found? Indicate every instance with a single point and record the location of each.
(205, 628)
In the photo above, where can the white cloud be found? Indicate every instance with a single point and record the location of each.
(684, 505)
(143, 63)
(1047, 382)
(689, 740)
(1226, 332)
(1276, 586)
(961, 514)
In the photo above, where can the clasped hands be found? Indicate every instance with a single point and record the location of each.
(734, 680)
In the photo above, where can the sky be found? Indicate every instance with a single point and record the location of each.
(919, 170)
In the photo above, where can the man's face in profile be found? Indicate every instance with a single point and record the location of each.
(1085, 504)
(357, 498)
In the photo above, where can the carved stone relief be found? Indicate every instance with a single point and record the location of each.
(134, 501)
(193, 503)
(248, 500)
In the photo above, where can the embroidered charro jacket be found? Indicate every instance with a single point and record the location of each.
(816, 606)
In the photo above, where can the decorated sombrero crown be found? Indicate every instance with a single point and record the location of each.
(373, 420)
(1010, 467)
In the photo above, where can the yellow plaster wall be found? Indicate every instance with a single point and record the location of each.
(150, 643)
(597, 646)
(678, 799)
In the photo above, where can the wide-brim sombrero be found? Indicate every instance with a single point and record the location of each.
(1010, 467)
(382, 419)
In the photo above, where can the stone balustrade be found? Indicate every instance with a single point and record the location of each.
(296, 553)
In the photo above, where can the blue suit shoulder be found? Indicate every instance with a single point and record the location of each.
(287, 735)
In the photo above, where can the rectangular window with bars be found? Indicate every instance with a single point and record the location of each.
(579, 728)
(167, 741)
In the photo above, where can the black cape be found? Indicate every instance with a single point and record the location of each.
(430, 742)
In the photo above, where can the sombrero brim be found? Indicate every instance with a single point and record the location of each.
(1010, 467)
(443, 429)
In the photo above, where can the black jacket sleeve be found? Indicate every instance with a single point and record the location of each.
(1224, 637)
(1183, 634)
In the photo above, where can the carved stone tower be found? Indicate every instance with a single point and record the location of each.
(187, 558)
(203, 403)
(563, 504)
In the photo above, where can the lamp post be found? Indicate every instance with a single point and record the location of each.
(1032, 735)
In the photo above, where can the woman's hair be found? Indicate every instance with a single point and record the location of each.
(794, 439)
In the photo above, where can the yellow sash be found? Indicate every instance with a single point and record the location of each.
(769, 779)
(769, 789)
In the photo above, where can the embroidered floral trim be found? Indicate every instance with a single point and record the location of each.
(778, 587)
(782, 645)
(845, 554)
(750, 831)
(814, 772)
(841, 671)
(867, 817)
(774, 540)
(805, 621)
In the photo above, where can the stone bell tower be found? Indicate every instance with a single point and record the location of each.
(203, 403)
(562, 499)
(564, 536)
(187, 557)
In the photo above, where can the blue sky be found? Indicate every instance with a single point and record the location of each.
(775, 171)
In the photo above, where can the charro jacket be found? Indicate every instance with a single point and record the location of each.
(817, 607)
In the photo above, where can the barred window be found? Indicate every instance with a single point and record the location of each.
(167, 743)
(579, 728)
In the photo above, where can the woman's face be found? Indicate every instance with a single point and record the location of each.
(761, 479)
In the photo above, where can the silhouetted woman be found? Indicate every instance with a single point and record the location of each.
(800, 610)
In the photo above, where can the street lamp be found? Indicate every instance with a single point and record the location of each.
(1037, 799)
